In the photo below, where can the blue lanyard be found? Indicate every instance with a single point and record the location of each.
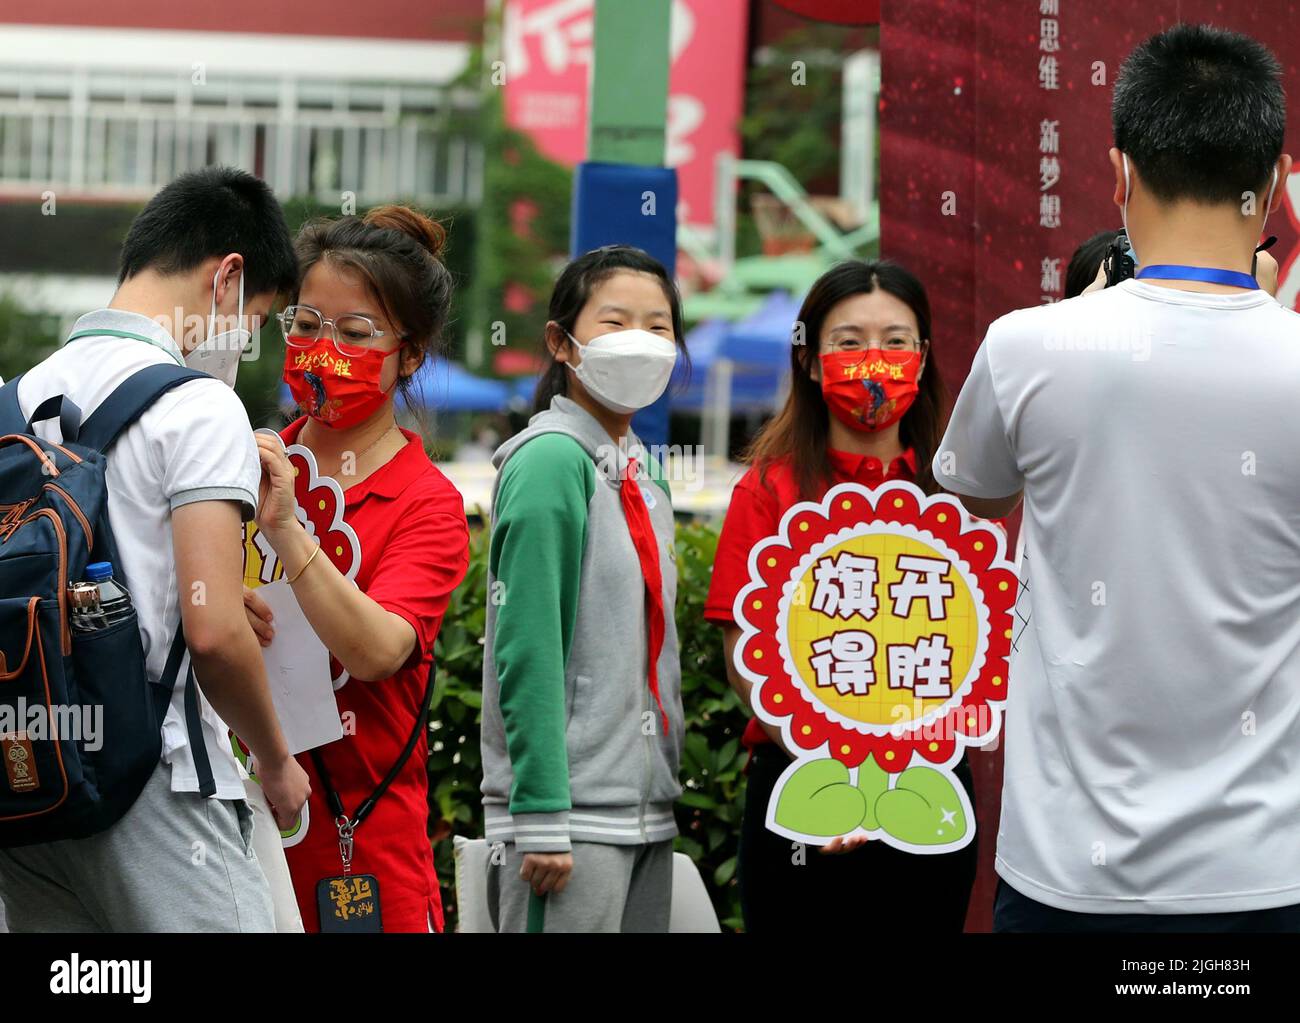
(1178, 272)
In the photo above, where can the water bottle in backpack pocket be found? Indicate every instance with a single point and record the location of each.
(106, 631)
(99, 601)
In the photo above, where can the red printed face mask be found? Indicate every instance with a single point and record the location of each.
(339, 391)
(872, 389)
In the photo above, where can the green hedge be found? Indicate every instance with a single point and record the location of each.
(708, 814)
(26, 337)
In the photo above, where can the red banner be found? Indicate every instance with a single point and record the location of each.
(548, 55)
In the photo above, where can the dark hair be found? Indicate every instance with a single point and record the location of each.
(397, 251)
(213, 212)
(798, 434)
(1201, 113)
(1085, 262)
(570, 296)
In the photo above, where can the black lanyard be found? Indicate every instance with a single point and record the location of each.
(348, 826)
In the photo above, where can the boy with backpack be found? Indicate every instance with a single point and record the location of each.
(121, 465)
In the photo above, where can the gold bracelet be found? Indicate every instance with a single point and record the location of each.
(305, 564)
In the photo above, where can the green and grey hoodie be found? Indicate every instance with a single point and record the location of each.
(574, 747)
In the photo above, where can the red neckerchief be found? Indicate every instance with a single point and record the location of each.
(647, 552)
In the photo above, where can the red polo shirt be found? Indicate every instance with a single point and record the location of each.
(755, 514)
(410, 522)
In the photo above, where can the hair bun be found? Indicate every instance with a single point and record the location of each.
(425, 230)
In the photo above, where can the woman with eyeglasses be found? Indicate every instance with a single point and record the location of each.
(371, 306)
(866, 405)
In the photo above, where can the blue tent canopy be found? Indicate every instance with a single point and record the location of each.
(763, 339)
(523, 388)
(758, 347)
(445, 386)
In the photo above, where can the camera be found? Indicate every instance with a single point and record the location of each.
(1119, 262)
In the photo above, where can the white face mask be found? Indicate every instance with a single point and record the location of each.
(1128, 187)
(1269, 201)
(626, 370)
(1124, 211)
(219, 354)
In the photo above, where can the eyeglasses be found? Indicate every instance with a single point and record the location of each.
(351, 335)
(897, 348)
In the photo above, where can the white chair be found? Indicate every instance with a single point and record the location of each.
(692, 911)
(471, 856)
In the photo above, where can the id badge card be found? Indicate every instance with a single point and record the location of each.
(349, 904)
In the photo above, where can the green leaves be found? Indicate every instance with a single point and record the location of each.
(698, 800)
(713, 793)
(455, 763)
(923, 808)
(818, 799)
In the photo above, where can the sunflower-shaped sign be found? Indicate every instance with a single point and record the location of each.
(875, 629)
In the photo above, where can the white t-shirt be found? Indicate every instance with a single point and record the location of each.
(1153, 717)
(193, 444)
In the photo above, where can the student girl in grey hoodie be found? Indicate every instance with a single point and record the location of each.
(582, 713)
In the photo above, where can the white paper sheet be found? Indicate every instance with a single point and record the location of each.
(298, 672)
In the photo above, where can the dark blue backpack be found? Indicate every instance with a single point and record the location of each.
(68, 774)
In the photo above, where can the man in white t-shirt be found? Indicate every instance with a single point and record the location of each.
(1153, 716)
(181, 481)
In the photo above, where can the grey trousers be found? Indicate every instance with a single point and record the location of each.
(174, 862)
(613, 888)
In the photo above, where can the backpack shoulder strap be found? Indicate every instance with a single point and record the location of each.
(193, 717)
(12, 419)
(69, 416)
(129, 401)
(11, 413)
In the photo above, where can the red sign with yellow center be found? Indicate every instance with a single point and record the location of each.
(876, 629)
